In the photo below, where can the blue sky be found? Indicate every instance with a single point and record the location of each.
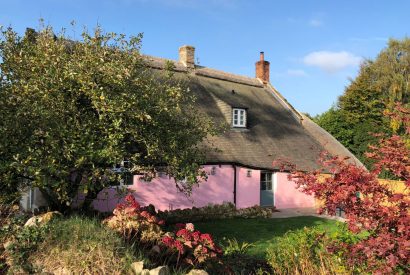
(314, 46)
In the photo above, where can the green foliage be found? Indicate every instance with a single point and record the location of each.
(233, 247)
(261, 233)
(360, 110)
(305, 252)
(213, 212)
(11, 221)
(71, 110)
(25, 241)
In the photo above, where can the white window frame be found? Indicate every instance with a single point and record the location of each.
(239, 117)
(266, 182)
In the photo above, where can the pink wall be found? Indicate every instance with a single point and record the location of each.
(287, 196)
(247, 188)
(218, 189)
(162, 192)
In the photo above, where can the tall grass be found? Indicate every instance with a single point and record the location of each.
(305, 252)
(79, 245)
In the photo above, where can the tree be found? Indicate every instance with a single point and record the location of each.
(380, 84)
(370, 206)
(72, 110)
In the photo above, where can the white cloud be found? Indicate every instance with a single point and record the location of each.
(298, 73)
(332, 62)
(315, 23)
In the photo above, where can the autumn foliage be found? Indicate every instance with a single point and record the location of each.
(192, 246)
(135, 223)
(370, 207)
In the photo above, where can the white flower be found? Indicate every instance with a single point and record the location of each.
(190, 227)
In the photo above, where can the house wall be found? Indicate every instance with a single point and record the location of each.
(162, 193)
(247, 188)
(32, 199)
(287, 196)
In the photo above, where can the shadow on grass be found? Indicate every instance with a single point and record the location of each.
(262, 233)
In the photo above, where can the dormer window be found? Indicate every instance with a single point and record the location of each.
(239, 117)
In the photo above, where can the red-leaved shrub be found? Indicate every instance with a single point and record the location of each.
(134, 223)
(369, 205)
(192, 246)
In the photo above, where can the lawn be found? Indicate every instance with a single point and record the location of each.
(262, 233)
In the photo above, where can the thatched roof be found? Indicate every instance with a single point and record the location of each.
(275, 130)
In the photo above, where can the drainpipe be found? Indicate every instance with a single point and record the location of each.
(234, 184)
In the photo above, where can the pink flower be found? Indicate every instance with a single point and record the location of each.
(185, 234)
(196, 235)
(168, 241)
(145, 214)
(179, 246)
(190, 227)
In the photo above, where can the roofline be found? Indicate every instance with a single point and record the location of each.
(241, 165)
(160, 64)
(298, 116)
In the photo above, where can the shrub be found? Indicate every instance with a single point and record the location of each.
(83, 246)
(134, 223)
(370, 206)
(24, 241)
(213, 212)
(305, 251)
(11, 221)
(191, 246)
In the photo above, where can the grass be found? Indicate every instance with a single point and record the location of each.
(83, 246)
(262, 233)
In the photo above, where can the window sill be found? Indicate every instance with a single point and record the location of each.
(239, 129)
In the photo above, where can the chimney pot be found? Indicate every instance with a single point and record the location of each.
(187, 56)
(262, 68)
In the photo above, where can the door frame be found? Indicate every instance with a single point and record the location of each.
(274, 187)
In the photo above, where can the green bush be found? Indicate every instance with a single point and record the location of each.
(212, 212)
(305, 251)
(11, 221)
(26, 240)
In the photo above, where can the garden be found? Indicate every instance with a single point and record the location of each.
(134, 239)
(73, 111)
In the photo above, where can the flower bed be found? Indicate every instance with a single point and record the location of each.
(213, 212)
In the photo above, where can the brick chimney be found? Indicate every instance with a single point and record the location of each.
(187, 56)
(262, 69)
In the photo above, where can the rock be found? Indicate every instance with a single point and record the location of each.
(137, 267)
(43, 218)
(32, 221)
(161, 270)
(197, 272)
